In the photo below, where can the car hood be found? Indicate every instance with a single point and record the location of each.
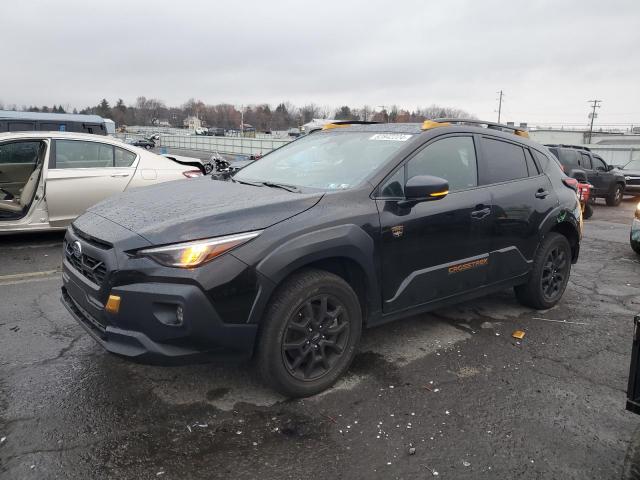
(200, 208)
(629, 173)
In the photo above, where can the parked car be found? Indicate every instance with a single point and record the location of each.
(608, 182)
(146, 143)
(631, 172)
(634, 236)
(296, 253)
(216, 132)
(49, 178)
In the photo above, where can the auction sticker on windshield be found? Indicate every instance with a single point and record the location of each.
(394, 137)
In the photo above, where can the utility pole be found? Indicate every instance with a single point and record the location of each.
(594, 104)
(500, 105)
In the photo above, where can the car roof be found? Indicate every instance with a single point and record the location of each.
(50, 117)
(503, 131)
(56, 134)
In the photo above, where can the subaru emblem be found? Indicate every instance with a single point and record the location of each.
(76, 249)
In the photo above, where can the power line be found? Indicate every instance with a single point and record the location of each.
(594, 104)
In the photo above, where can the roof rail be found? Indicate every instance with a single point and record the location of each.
(345, 123)
(521, 132)
(562, 145)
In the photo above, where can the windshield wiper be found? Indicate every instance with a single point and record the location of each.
(243, 182)
(284, 186)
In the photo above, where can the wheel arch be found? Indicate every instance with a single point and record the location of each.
(346, 251)
(566, 222)
(570, 232)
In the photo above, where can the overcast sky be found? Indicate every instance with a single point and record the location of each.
(549, 57)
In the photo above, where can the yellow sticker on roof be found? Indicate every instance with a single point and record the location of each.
(391, 137)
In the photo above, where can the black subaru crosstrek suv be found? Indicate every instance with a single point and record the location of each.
(291, 257)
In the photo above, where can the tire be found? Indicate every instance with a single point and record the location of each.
(294, 318)
(588, 211)
(615, 197)
(635, 246)
(549, 275)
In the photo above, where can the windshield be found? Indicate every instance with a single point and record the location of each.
(330, 161)
(632, 165)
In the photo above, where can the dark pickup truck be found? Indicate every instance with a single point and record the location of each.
(608, 182)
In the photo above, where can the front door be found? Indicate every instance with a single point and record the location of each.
(82, 173)
(435, 249)
(602, 177)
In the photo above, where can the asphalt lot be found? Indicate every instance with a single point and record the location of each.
(453, 385)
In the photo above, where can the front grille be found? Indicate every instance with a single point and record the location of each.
(91, 268)
(633, 181)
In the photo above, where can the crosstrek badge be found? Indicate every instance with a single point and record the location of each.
(393, 137)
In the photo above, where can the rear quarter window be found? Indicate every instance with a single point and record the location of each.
(501, 162)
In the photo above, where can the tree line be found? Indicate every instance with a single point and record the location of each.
(151, 111)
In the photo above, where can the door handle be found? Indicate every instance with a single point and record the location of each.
(116, 175)
(542, 193)
(480, 213)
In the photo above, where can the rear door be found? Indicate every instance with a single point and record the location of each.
(82, 173)
(588, 167)
(521, 197)
(437, 249)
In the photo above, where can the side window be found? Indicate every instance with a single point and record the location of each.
(544, 160)
(599, 164)
(452, 158)
(502, 161)
(531, 165)
(124, 158)
(394, 186)
(20, 153)
(585, 160)
(79, 154)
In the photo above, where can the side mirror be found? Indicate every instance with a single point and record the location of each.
(611, 167)
(423, 188)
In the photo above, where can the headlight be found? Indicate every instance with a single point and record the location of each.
(194, 254)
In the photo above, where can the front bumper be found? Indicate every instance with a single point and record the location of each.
(632, 189)
(203, 336)
(146, 326)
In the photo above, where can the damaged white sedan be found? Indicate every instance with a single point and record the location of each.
(47, 179)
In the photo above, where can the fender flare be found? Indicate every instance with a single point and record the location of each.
(342, 241)
(561, 216)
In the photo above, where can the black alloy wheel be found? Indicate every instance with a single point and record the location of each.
(309, 334)
(554, 273)
(315, 337)
(549, 274)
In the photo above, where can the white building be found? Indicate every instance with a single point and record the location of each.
(192, 123)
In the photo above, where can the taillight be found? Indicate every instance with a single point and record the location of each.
(192, 173)
(571, 183)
